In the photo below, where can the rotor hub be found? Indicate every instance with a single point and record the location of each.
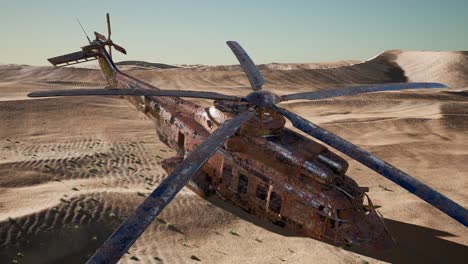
(262, 98)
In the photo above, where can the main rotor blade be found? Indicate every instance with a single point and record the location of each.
(135, 92)
(399, 177)
(119, 48)
(119, 242)
(316, 95)
(255, 77)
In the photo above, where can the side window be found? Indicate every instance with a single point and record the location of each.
(227, 174)
(181, 141)
(243, 183)
(261, 192)
(275, 202)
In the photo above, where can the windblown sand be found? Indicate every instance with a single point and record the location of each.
(71, 169)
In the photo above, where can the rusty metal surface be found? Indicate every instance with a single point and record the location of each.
(118, 243)
(266, 123)
(317, 95)
(280, 158)
(334, 213)
(390, 172)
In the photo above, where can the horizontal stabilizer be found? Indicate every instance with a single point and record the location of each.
(74, 58)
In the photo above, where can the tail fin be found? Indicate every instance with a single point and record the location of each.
(94, 51)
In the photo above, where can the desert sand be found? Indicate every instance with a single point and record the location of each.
(71, 169)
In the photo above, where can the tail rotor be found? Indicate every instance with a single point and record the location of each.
(107, 41)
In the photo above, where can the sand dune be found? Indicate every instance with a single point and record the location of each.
(71, 169)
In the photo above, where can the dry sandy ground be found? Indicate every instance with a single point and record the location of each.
(71, 169)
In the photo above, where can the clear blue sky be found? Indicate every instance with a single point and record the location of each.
(271, 31)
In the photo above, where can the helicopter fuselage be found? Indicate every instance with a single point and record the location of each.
(269, 171)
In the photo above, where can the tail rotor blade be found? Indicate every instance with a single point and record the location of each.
(374, 163)
(253, 74)
(119, 48)
(100, 36)
(108, 26)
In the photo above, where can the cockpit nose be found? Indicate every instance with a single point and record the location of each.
(368, 232)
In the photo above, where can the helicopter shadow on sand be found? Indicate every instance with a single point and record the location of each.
(415, 244)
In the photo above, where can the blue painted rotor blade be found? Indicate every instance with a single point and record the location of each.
(253, 74)
(329, 93)
(399, 177)
(121, 240)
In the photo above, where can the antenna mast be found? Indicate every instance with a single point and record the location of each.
(89, 40)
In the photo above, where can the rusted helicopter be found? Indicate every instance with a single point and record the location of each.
(240, 150)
